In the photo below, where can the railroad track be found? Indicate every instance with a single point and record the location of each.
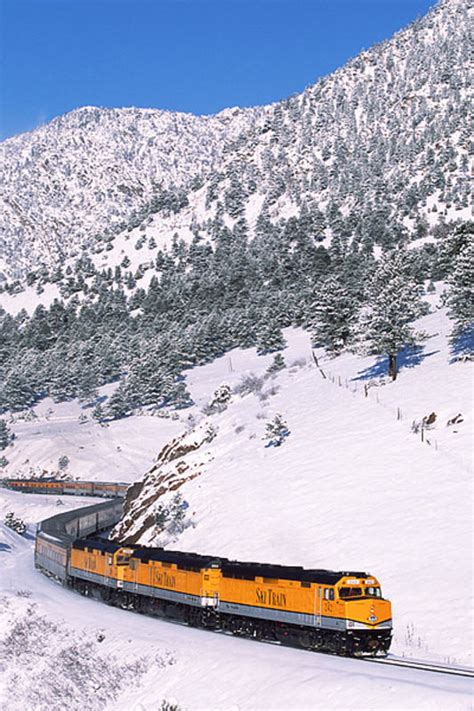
(421, 665)
(389, 660)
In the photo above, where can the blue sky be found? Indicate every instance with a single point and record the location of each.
(186, 55)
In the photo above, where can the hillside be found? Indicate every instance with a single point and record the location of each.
(376, 152)
(352, 486)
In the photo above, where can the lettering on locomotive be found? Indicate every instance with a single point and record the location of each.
(164, 579)
(270, 598)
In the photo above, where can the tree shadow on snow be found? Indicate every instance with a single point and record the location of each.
(462, 344)
(4, 547)
(409, 357)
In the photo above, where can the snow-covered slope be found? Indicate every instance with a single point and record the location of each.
(352, 486)
(380, 145)
(73, 653)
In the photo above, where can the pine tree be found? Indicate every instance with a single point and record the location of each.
(176, 394)
(86, 389)
(270, 338)
(276, 431)
(118, 404)
(332, 315)
(17, 392)
(460, 299)
(98, 413)
(6, 435)
(277, 364)
(394, 303)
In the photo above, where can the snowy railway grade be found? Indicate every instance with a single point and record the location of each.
(62, 539)
(320, 610)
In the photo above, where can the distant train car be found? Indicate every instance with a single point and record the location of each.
(104, 489)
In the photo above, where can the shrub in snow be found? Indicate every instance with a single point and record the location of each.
(276, 431)
(63, 463)
(169, 705)
(171, 517)
(16, 524)
(211, 433)
(221, 398)
(277, 364)
(298, 363)
(269, 392)
(250, 383)
(3, 462)
(61, 668)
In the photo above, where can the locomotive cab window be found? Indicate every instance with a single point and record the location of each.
(328, 594)
(373, 591)
(123, 559)
(345, 593)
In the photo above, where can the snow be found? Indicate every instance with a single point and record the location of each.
(120, 451)
(199, 670)
(351, 487)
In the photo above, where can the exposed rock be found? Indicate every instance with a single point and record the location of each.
(175, 465)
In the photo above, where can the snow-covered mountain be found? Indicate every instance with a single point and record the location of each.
(357, 483)
(376, 148)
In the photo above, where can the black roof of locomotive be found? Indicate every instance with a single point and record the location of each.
(97, 544)
(249, 571)
(230, 568)
(195, 561)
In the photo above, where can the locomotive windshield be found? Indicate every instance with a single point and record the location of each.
(350, 592)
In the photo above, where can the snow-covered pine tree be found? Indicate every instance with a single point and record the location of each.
(17, 392)
(451, 246)
(176, 393)
(332, 315)
(277, 364)
(276, 431)
(385, 328)
(6, 435)
(98, 413)
(270, 337)
(460, 300)
(118, 404)
(87, 385)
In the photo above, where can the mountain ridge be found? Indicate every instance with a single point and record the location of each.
(380, 140)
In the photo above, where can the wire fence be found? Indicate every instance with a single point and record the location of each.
(421, 428)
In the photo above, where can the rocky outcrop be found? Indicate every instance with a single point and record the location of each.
(181, 460)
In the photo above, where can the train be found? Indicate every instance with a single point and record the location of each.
(340, 612)
(106, 489)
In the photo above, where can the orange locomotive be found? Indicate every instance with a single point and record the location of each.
(341, 612)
